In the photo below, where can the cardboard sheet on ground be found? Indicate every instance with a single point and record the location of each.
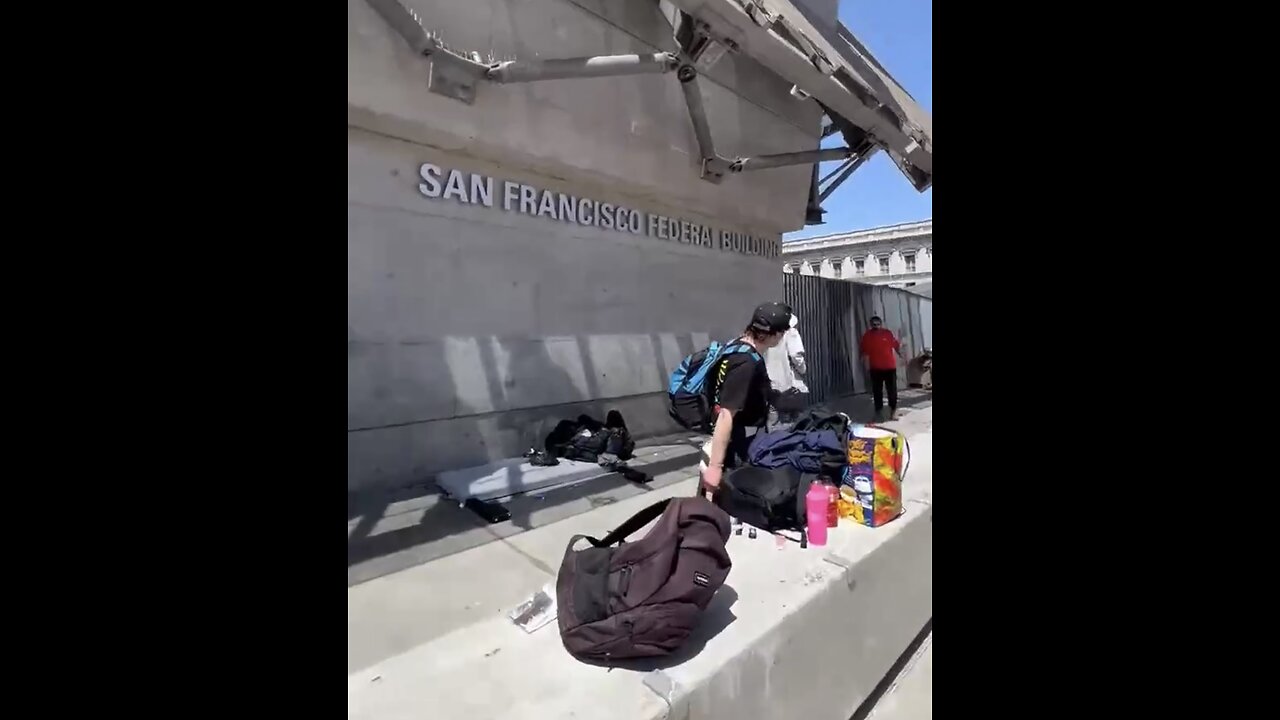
(505, 478)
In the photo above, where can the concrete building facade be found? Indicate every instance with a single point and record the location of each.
(542, 249)
(899, 256)
(476, 313)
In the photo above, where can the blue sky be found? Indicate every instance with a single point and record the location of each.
(900, 35)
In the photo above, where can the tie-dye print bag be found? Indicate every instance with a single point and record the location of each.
(872, 482)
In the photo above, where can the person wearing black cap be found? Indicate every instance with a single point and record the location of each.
(741, 392)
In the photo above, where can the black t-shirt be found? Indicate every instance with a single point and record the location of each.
(743, 387)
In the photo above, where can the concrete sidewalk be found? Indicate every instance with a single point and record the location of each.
(432, 640)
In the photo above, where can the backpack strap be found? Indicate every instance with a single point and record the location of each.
(637, 521)
(738, 346)
(730, 348)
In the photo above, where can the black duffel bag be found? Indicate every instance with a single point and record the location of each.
(771, 499)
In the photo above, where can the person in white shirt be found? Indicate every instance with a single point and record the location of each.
(786, 367)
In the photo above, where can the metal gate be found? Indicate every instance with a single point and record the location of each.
(834, 314)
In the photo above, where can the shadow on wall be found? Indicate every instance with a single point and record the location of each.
(417, 408)
(514, 373)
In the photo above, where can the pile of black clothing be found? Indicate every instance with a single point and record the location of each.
(588, 440)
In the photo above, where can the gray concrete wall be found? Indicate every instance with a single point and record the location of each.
(630, 133)
(472, 329)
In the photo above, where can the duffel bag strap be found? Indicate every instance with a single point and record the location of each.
(634, 524)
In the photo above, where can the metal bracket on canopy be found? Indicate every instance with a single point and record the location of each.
(713, 166)
(456, 74)
(769, 21)
(804, 157)
(513, 71)
(844, 171)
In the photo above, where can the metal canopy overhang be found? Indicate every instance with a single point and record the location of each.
(847, 80)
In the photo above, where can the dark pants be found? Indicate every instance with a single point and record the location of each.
(880, 380)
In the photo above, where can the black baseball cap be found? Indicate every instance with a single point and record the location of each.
(771, 317)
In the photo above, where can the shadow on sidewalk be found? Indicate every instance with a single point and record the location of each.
(861, 408)
(444, 528)
(718, 616)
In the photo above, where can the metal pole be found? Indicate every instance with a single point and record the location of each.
(584, 67)
(833, 172)
(405, 22)
(764, 162)
(697, 113)
(853, 164)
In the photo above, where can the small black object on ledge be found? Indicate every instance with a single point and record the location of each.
(489, 511)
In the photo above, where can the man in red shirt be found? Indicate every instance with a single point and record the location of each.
(879, 347)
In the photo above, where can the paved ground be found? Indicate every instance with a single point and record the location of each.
(911, 695)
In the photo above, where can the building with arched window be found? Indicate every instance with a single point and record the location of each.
(895, 255)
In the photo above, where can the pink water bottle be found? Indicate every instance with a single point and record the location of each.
(815, 505)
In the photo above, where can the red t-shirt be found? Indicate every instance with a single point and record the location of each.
(879, 346)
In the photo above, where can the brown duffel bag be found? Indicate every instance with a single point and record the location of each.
(642, 599)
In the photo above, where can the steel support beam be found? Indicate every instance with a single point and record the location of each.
(713, 166)
(456, 75)
(405, 22)
(813, 211)
(513, 71)
(845, 172)
(755, 32)
(837, 171)
(764, 162)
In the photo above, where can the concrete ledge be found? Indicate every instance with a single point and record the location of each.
(793, 633)
(816, 637)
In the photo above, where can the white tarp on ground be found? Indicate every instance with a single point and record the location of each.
(505, 478)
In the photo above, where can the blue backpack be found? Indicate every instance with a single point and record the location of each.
(690, 394)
